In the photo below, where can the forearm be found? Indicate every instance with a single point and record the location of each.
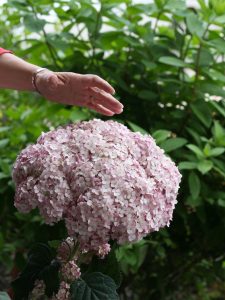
(16, 73)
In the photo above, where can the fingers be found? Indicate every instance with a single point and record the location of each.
(107, 100)
(101, 109)
(96, 81)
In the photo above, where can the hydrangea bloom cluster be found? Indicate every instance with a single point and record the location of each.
(63, 293)
(105, 181)
(38, 290)
(70, 271)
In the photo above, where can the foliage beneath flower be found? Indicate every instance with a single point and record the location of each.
(44, 275)
(42, 266)
(94, 286)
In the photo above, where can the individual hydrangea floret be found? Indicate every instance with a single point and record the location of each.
(106, 182)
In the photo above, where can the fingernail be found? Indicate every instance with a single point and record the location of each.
(114, 91)
(120, 110)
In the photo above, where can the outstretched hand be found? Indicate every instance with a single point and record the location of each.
(76, 89)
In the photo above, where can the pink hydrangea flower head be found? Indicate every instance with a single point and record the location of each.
(106, 182)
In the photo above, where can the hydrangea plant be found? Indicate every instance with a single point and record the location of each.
(108, 184)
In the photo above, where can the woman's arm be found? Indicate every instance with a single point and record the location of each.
(64, 87)
(15, 73)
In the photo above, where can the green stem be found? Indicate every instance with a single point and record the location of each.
(52, 51)
(197, 69)
(95, 35)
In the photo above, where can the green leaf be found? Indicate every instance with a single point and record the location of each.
(194, 185)
(137, 128)
(202, 112)
(172, 61)
(219, 44)
(218, 107)
(221, 202)
(147, 95)
(173, 144)
(194, 25)
(187, 165)
(78, 115)
(217, 151)
(205, 58)
(40, 266)
(216, 75)
(161, 135)
(4, 296)
(219, 133)
(220, 19)
(20, 4)
(4, 129)
(175, 5)
(50, 276)
(218, 6)
(54, 243)
(3, 143)
(204, 166)
(108, 266)
(33, 24)
(94, 286)
(203, 5)
(196, 150)
(213, 89)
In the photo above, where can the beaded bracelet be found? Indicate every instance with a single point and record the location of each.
(34, 75)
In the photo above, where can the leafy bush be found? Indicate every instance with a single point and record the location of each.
(166, 62)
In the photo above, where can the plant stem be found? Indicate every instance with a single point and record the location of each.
(52, 51)
(197, 70)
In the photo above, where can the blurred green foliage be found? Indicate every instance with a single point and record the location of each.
(166, 62)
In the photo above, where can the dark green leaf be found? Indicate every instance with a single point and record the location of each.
(218, 107)
(108, 266)
(136, 128)
(194, 185)
(172, 61)
(94, 286)
(40, 265)
(147, 95)
(202, 112)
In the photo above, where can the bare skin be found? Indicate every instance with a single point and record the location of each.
(63, 87)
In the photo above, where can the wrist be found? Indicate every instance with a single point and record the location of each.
(46, 82)
(34, 79)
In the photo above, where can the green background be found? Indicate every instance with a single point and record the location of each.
(166, 61)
